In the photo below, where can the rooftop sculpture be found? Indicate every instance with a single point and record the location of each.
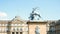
(32, 15)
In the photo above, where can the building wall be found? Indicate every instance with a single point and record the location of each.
(27, 27)
(3, 33)
(14, 25)
(42, 27)
(57, 27)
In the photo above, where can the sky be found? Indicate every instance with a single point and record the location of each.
(48, 9)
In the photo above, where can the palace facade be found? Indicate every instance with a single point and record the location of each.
(19, 26)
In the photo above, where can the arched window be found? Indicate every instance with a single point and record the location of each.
(20, 29)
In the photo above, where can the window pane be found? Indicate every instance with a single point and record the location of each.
(12, 32)
(16, 32)
(20, 32)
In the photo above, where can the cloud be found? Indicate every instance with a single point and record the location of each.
(3, 14)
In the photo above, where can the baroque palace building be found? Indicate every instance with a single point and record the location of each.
(14, 26)
(19, 26)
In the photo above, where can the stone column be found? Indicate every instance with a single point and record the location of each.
(18, 32)
(15, 32)
(10, 32)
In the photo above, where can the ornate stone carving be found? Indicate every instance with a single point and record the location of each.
(33, 14)
(37, 30)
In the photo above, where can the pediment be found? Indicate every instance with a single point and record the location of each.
(18, 20)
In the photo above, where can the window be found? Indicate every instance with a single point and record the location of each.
(20, 32)
(20, 29)
(13, 33)
(52, 28)
(7, 29)
(15, 28)
(16, 32)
